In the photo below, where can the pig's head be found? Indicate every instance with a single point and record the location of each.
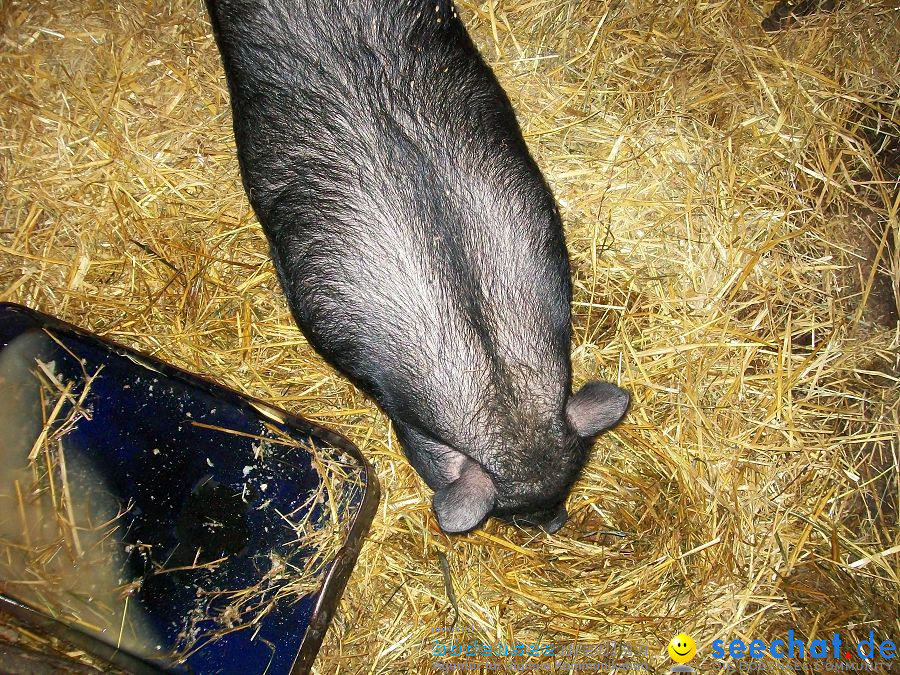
(528, 484)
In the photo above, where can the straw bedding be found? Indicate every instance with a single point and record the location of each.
(731, 207)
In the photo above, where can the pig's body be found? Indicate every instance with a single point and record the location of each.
(417, 242)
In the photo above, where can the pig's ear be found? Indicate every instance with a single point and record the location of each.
(595, 407)
(465, 502)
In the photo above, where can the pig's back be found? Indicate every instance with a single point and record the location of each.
(416, 240)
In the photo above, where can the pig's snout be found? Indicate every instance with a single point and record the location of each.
(557, 521)
(550, 520)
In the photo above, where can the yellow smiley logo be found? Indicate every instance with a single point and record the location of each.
(682, 648)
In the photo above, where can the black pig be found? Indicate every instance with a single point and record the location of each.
(420, 249)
